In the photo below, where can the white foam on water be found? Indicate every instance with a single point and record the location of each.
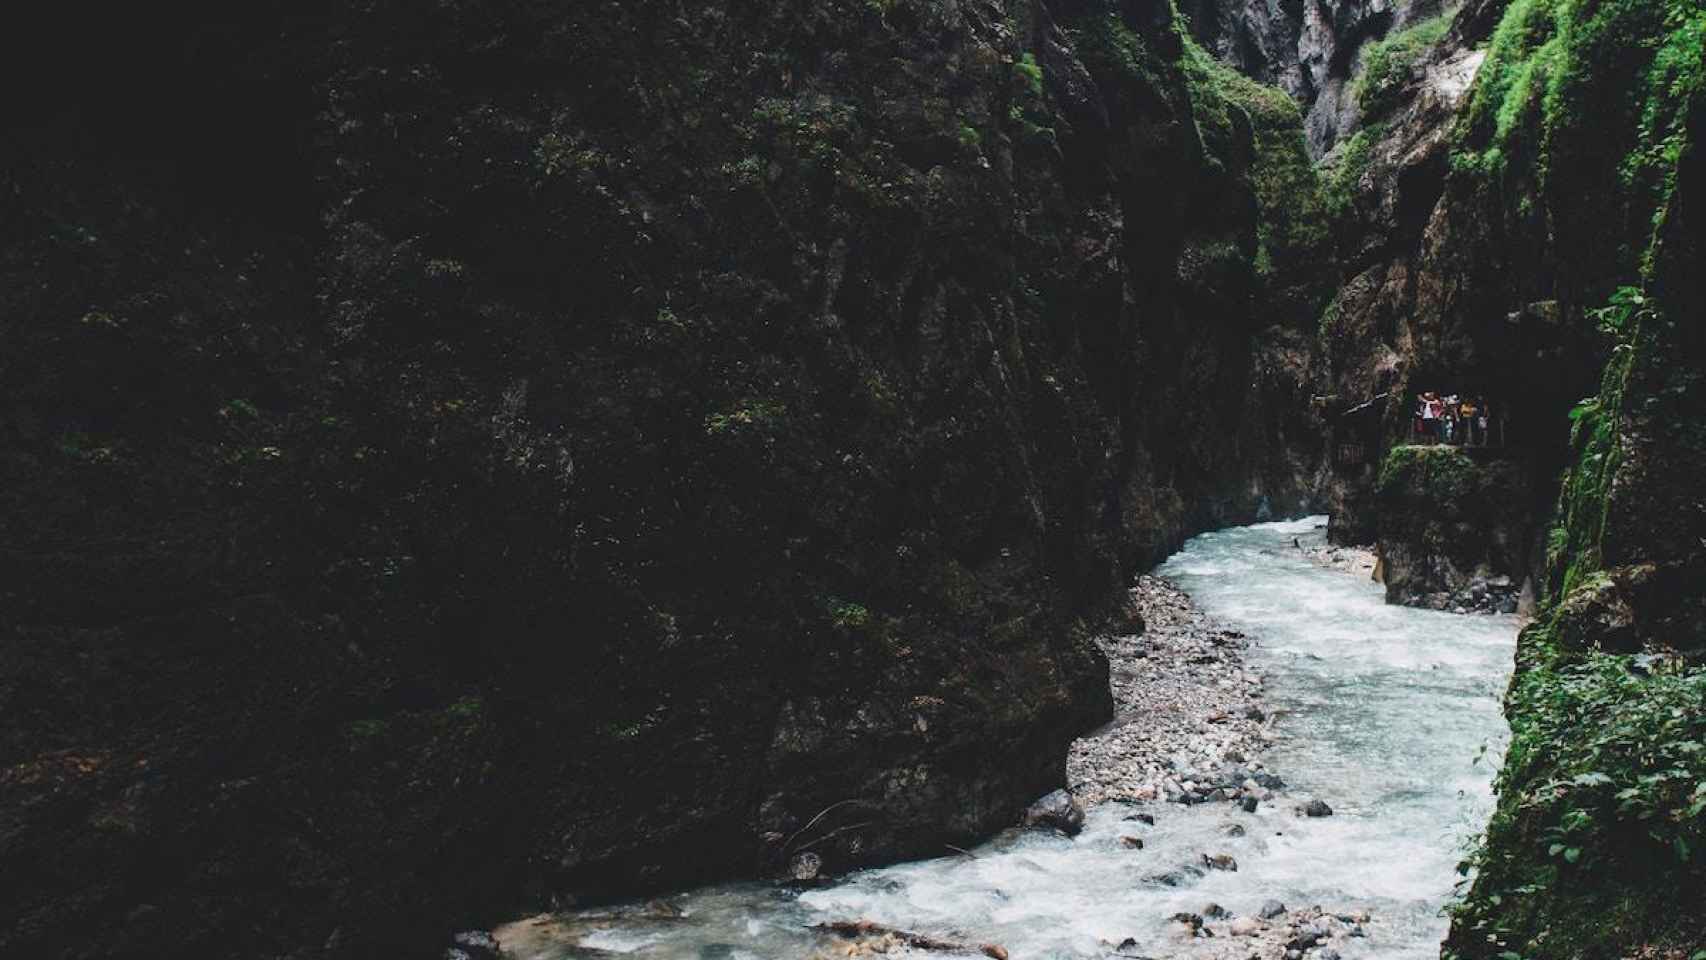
(1381, 710)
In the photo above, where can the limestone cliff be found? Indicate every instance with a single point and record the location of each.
(1312, 49)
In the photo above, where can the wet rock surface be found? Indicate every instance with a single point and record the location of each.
(1284, 935)
(1359, 559)
(1056, 811)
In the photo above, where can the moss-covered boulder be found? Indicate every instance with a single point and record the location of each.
(1454, 527)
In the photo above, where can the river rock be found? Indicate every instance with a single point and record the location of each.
(1249, 804)
(1271, 909)
(1317, 808)
(1214, 911)
(1245, 927)
(1132, 843)
(1057, 811)
(1220, 861)
(805, 866)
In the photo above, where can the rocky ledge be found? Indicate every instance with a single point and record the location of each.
(1358, 559)
(1480, 594)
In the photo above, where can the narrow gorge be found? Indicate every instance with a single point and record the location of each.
(690, 479)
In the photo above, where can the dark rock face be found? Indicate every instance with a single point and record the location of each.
(741, 406)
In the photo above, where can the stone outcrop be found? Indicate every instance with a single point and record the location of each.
(1443, 291)
(1448, 535)
(1311, 49)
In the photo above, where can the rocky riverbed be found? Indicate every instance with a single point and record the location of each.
(1190, 728)
(1188, 718)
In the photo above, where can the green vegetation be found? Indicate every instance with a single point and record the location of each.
(1554, 65)
(1440, 471)
(1029, 73)
(1602, 807)
(1350, 162)
(1107, 45)
(1595, 849)
(1386, 62)
(1594, 434)
(1292, 230)
(1598, 845)
(847, 615)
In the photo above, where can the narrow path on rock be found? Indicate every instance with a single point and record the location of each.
(1282, 684)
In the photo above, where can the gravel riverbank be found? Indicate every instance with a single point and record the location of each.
(1188, 718)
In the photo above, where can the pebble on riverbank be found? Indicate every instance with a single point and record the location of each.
(1187, 719)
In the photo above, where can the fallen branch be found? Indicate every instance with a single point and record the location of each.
(918, 941)
(837, 830)
(788, 848)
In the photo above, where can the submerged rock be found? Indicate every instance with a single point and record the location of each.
(1271, 909)
(1317, 808)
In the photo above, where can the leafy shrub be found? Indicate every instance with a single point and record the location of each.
(1387, 62)
(1604, 787)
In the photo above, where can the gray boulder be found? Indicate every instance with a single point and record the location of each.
(1057, 811)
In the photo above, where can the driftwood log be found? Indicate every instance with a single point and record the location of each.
(919, 941)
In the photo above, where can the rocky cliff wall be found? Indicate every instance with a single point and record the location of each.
(1517, 218)
(1312, 49)
(539, 450)
(1594, 850)
(1473, 263)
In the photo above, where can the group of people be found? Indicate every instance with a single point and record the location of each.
(1454, 419)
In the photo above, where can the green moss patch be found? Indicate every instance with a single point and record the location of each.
(1387, 62)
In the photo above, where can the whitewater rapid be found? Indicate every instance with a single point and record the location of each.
(1390, 714)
